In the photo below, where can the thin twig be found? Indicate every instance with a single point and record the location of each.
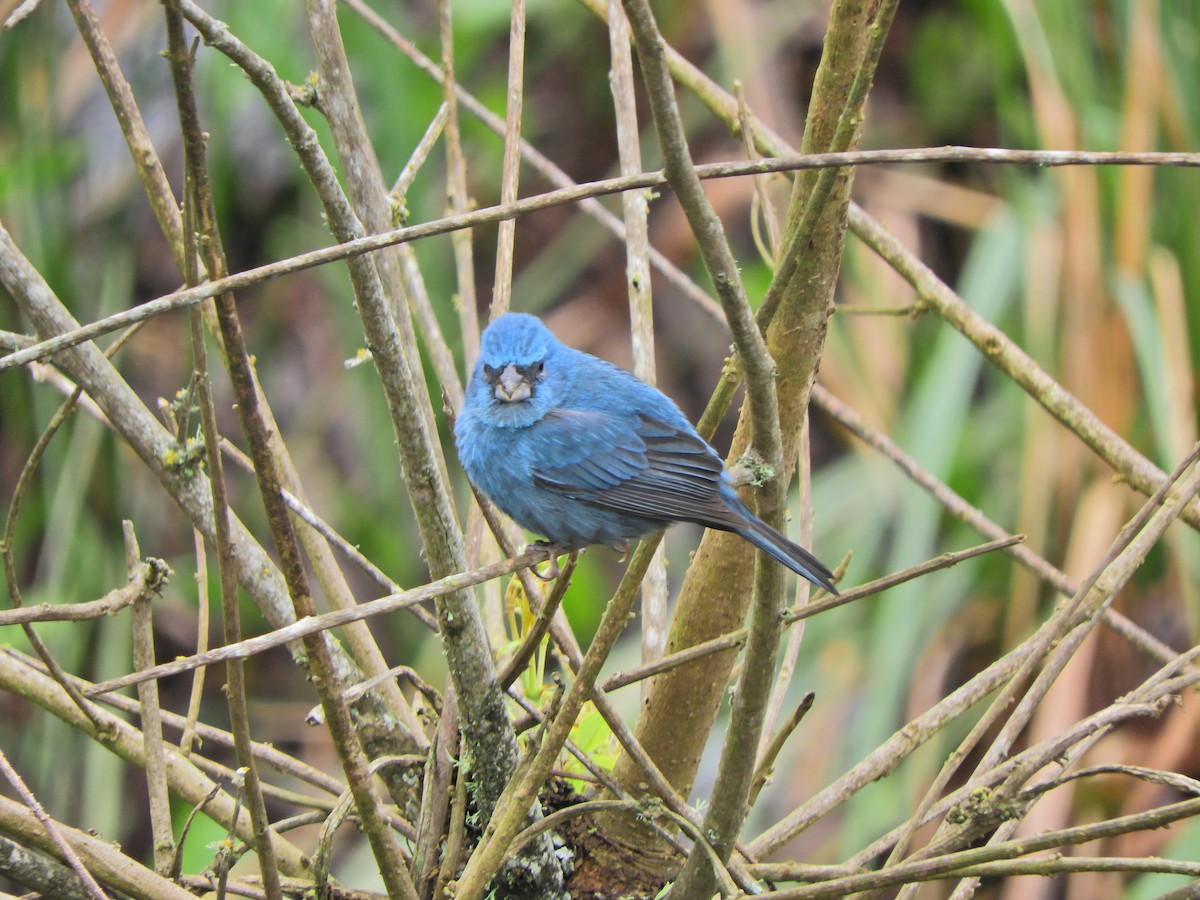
(510, 174)
(327, 531)
(636, 209)
(456, 176)
(201, 218)
(735, 639)
(315, 716)
(151, 715)
(370, 243)
(887, 755)
(276, 759)
(1014, 362)
(53, 829)
(141, 149)
(108, 605)
(23, 486)
(456, 837)
(762, 196)
(188, 737)
(766, 762)
(310, 625)
(419, 155)
(1048, 866)
(803, 595)
(949, 864)
(433, 817)
(545, 616)
(972, 516)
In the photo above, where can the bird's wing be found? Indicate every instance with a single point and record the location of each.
(633, 464)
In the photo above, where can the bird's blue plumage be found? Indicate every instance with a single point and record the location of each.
(581, 452)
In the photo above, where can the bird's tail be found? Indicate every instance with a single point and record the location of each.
(792, 555)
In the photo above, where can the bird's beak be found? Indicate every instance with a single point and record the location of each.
(512, 386)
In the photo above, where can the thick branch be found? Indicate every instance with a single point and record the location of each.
(104, 860)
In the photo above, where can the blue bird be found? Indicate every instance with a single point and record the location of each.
(573, 448)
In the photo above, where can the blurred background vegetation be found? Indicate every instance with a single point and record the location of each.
(1094, 271)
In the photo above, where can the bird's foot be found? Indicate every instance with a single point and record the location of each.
(553, 570)
(623, 549)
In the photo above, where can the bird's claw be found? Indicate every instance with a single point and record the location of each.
(553, 571)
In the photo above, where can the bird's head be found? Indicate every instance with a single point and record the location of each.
(515, 365)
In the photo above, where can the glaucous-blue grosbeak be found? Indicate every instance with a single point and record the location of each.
(580, 451)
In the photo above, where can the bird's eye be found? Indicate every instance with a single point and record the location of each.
(490, 373)
(534, 371)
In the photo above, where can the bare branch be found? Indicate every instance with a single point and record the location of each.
(369, 243)
(310, 625)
